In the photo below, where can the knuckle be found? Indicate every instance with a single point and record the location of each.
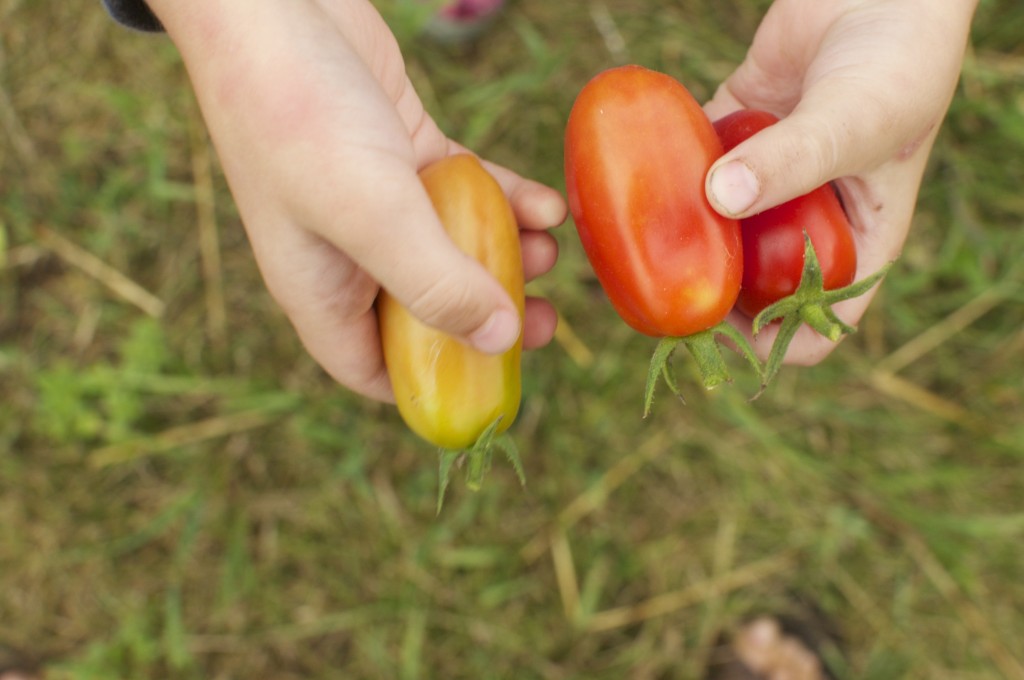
(448, 303)
(813, 349)
(365, 377)
(825, 151)
(335, 287)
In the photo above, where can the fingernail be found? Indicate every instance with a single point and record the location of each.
(734, 187)
(498, 334)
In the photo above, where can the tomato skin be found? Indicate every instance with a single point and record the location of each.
(773, 241)
(637, 149)
(446, 391)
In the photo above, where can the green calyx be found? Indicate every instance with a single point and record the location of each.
(477, 460)
(705, 349)
(810, 304)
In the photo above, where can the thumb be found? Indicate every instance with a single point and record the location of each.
(404, 247)
(827, 136)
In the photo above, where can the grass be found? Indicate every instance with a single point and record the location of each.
(183, 494)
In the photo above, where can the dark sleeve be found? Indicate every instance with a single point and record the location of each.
(133, 13)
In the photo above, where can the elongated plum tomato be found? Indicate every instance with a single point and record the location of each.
(446, 391)
(773, 240)
(637, 149)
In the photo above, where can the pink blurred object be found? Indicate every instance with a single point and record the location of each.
(463, 20)
(470, 10)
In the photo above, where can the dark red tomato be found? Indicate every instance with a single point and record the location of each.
(637, 148)
(773, 240)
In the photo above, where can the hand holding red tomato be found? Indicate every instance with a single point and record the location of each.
(799, 258)
(862, 89)
(670, 265)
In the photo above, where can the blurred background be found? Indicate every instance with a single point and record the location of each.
(184, 494)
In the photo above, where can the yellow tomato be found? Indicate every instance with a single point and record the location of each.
(447, 392)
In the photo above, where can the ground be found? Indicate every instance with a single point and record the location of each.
(184, 494)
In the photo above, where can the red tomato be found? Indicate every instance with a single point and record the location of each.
(773, 240)
(637, 148)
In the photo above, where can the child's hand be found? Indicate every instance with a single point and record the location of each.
(320, 135)
(862, 88)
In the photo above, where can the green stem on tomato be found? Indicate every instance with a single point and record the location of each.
(658, 368)
(810, 304)
(705, 348)
(478, 460)
(824, 321)
(447, 458)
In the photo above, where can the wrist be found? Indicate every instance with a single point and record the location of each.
(194, 25)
